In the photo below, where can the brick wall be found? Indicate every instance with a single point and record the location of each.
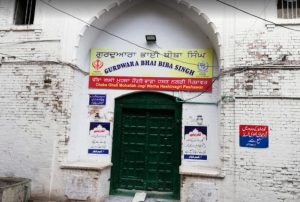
(35, 106)
(6, 12)
(277, 47)
(34, 120)
(273, 173)
(264, 90)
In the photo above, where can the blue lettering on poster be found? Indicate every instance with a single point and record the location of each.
(97, 99)
(99, 139)
(195, 143)
(195, 157)
(98, 151)
(253, 141)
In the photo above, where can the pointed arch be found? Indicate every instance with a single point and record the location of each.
(88, 33)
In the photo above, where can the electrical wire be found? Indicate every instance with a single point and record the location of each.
(231, 71)
(74, 67)
(13, 56)
(204, 91)
(148, 49)
(117, 36)
(256, 19)
(248, 13)
(142, 47)
(27, 41)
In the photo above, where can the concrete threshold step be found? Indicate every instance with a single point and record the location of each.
(129, 199)
(41, 201)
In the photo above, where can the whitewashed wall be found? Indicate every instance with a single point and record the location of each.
(250, 174)
(172, 31)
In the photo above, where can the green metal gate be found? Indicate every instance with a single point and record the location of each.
(146, 145)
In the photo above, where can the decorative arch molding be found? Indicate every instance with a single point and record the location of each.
(115, 9)
(201, 19)
(195, 26)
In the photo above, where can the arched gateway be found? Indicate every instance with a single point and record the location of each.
(149, 119)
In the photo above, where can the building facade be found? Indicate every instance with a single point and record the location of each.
(91, 109)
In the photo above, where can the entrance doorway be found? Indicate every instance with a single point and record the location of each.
(146, 145)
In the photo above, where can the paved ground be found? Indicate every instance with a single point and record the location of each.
(119, 199)
(129, 199)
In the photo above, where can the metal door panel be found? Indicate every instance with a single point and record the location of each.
(145, 151)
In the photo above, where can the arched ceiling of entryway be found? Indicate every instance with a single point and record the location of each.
(180, 15)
